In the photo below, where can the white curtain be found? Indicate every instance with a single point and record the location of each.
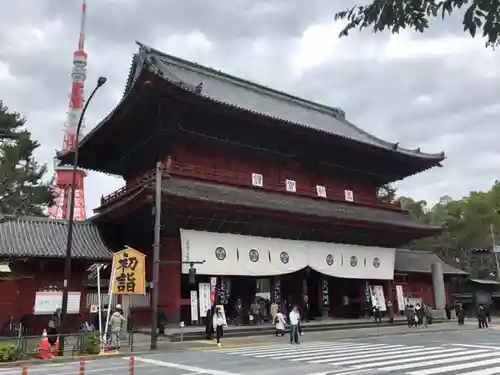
(231, 254)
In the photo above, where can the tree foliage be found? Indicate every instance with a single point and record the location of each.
(22, 189)
(466, 241)
(481, 16)
(386, 193)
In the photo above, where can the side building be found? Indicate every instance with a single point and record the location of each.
(32, 251)
(276, 195)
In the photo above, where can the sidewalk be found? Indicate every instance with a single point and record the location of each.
(142, 341)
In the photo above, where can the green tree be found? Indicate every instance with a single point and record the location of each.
(466, 240)
(386, 193)
(22, 189)
(481, 16)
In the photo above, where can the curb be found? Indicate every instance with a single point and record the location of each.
(200, 335)
(29, 362)
(186, 344)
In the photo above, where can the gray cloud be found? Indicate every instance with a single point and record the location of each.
(437, 91)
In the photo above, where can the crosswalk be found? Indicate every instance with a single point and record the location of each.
(356, 357)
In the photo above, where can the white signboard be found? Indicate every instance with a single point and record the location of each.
(321, 191)
(291, 186)
(46, 303)
(400, 297)
(204, 298)
(257, 180)
(349, 195)
(378, 297)
(194, 306)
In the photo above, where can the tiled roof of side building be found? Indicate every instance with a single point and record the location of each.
(258, 198)
(421, 262)
(37, 237)
(246, 95)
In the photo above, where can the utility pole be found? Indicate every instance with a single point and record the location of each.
(156, 257)
(495, 254)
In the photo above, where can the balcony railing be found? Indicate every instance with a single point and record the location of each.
(243, 180)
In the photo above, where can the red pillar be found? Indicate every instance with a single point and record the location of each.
(170, 279)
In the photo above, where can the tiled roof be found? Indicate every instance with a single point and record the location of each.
(421, 262)
(246, 95)
(259, 198)
(46, 238)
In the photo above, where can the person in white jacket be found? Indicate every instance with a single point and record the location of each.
(280, 323)
(219, 323)
(294, 318)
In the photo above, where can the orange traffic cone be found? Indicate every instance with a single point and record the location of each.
(45, 346)
(56, 346)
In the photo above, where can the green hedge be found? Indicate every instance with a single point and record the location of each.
(92, 344)
(10, 352)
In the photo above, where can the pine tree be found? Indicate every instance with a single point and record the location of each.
(22, 189)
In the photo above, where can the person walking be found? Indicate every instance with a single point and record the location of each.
(294, 325)
(116, 322)
(481, 317)
(219, 322)
(419, 313)
(162, 321)
(280, 323)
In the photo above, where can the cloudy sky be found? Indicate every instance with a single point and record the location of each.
(438, 91)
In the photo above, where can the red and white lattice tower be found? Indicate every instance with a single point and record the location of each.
(62, 187)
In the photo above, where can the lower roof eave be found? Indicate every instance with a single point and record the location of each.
(269, 201)
(231, 196)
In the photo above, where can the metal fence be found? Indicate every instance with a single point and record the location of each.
(75, 344)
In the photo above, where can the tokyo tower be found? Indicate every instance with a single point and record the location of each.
(62, 187)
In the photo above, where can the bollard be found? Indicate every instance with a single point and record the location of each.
(82, 367)
(182, 331)
(132, 365)
(24, 370)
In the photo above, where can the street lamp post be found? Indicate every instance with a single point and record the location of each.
(67, 261)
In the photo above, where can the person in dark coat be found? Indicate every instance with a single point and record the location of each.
(460, 314)
(239, 312)
(162, 320)
(53, 326)
(447, 311)
(209, 325)
(377, 314)
(420, 313)
(481, 317)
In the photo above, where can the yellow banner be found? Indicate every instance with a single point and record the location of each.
(129, 268)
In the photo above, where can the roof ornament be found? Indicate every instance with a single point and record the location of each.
(144, 50)
(395, 145)
(199, 87)
(417, 150)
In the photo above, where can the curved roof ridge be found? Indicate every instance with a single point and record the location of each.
(248, 83)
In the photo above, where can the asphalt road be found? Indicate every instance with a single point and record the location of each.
(418, 352)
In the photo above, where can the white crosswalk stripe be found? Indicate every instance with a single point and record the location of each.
(359, 357)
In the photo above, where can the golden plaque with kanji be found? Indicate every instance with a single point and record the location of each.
(129, 272)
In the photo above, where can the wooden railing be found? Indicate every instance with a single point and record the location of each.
(243, 180)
